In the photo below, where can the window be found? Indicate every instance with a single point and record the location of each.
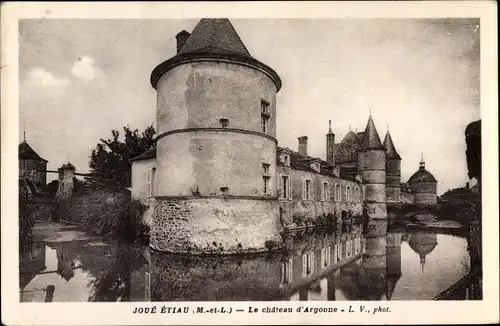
(325, 192)
(339, 252)
(357, 245)
(266, 184)
(150, 177)
(285, 187)
(265, 177)
(338, 193)
(286, 160)
(308, 264)
(264, 107)
(287, 272)
(325, 257)
(264, 123)
(306, 195)
(264, 111)
(348, 248)
(265, 168)
(346, 195)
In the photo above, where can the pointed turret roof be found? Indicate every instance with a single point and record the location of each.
(28, 153)
(213, 39)
(389, 146)
(371, 138)
(215, 35)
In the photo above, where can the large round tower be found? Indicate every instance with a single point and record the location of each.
(371, 166)
(216, 145)
(393, 170)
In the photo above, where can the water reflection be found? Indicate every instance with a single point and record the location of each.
(356, 261)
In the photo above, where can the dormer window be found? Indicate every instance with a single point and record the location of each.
(285, 159)
(315, 166)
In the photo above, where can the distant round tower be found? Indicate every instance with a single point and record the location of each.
(216, 145)
(371, 166)
(423, 186)
(393, 170)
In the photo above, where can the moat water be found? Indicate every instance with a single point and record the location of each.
(67, 264)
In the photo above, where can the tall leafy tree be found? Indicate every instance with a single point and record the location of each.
(110, 161)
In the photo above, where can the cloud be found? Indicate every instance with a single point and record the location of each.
(42, 77)
(84, 68)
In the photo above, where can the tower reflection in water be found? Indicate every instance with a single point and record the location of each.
(356, 262)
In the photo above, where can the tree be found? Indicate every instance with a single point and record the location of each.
(110, 161)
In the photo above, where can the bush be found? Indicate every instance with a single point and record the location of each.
(299, 219)
(109, 213)
(26, 224)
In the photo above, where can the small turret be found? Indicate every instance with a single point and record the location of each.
(393, 170)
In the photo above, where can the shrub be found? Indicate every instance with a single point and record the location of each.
(299, 218)
(109, 213)
(271, 244)
(26, 224)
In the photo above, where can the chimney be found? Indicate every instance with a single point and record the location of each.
(181, 39)
(330, 145)
(303, 146)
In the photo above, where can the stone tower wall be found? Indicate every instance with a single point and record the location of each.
(199, 94)
(211, 150)
(371, 165)
(393, 180)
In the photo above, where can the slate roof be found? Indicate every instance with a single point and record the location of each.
(371, 138)
(215, 39)
(389, 147)
(150, 153)
(299, 162)
(216, 36)
(28, 153)
(422, 175)
(346, 150)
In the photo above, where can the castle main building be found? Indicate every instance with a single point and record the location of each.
(217, 181)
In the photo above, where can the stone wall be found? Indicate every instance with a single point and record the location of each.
(316, 206)
(214, 225)
(406, 197)
(425, 193)
(198, 94)
(31, 169)
(140, 170)
(202, 162)
(371, 164)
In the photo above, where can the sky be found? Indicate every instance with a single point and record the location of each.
(81, 78)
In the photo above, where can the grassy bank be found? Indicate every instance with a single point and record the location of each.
(106, 213)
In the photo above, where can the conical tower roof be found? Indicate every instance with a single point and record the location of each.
(389, 147)
(27, 153)
(371, 138)
(213, 39)
(215, 35)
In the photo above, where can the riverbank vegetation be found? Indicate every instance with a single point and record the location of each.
(109, 213)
